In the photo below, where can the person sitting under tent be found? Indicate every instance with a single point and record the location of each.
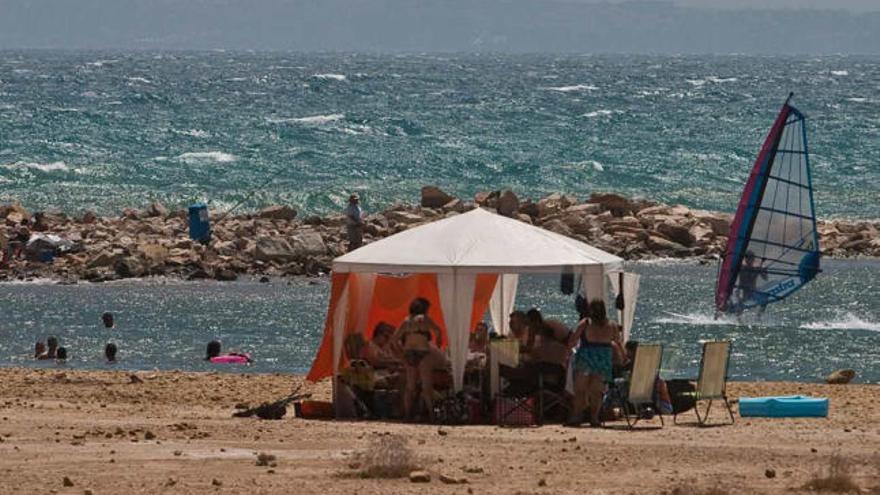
(519, 328)
(479, 339)
(377, 352)
(420, 339)
(551, 344)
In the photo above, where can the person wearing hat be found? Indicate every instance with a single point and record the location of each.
(354, 223)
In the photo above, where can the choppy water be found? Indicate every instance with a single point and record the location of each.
(833, 323)
(106, 130)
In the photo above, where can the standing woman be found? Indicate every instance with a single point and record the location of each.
(592, 362)
(420, 340)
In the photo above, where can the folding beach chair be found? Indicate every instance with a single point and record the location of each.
(712, 383)
(638, 393)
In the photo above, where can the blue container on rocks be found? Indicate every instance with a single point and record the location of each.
(199, 223)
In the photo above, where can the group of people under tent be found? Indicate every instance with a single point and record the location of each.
(409, 361)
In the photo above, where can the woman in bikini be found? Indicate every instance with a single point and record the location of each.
(592, 362)
(420, 341)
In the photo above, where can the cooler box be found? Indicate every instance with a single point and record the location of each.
(199, 223)
(792, 406)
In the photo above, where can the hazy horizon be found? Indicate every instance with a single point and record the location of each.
(405, 26)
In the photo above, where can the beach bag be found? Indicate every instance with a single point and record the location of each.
(682, 394)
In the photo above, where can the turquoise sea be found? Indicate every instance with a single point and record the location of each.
(107, 130)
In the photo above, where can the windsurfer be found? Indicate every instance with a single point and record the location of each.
(748, 280)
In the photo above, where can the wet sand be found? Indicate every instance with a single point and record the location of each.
(173, 433)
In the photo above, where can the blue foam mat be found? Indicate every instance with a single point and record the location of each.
(791, 406)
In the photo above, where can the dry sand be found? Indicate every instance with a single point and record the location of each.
(173, 433)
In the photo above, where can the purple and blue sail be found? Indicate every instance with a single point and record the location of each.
(773, 245)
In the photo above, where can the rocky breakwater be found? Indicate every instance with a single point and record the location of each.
(277, 242)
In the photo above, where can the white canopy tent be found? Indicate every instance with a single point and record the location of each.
(459, 248)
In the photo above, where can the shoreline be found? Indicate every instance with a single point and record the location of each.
(173, 432)
(275, 242)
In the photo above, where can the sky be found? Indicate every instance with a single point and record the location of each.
(517, 26)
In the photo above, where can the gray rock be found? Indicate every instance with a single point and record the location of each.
(615, 203)
(274, 249)
(403, 217)
(308, 244)
(661, 244)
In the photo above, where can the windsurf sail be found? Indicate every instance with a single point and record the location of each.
(772, 246)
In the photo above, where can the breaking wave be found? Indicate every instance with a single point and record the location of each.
(42, 167)
(847, 321)
(569, 89)
(195, 157)
(331, 77)
(696, 319)
(600, 113)
(310, 120)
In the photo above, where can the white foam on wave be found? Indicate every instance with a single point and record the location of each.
(42, 167)
(310, 120)
(195, 157)
(198, 133)
(600, 113)
(857, 99)
(101, 63)
(839, 73)
(721, 80)
(595, 165)
(142, 80)
(573, 88)
(847, 321)
(331, 77)
(696, 82)
(696, 319)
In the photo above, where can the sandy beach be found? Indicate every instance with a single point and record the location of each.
(173, 433)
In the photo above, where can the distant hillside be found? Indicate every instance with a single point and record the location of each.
(432, 26)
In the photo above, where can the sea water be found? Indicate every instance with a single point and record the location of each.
(108, 130)
(832, 323)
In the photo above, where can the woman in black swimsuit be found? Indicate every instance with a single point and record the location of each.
(417, 336)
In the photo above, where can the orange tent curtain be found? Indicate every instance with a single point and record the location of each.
(392, 296)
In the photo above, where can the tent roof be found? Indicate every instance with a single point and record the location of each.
(476, 242)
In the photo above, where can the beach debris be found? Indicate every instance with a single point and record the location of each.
(272, 410)
(472, 469)
(453, 480)
(770, 473)
(67, 482)
(841, 377)
(132, 378)
(264, 459)
(838, 479)
(149, 435)
(542, 482)
(216, 482)
(88, 492)
(442, 432)
(386, 456)
(420, 477)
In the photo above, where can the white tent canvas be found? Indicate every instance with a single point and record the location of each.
(459, 248)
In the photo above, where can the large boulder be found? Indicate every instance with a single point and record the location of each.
(558, 226)
(278, 212)
(507, 204)
(14, 213)
(156, 209)
(618, 205)
(528, 207)
(129, 267)
(103, 259)
(434, 197)
(155, 254)
(841, 377)
(662, 245)
(677, 233)
(403, 217)
(308, 244)
(554, 203)
(274, 249)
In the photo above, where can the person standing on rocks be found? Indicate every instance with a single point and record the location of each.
(354, 223)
